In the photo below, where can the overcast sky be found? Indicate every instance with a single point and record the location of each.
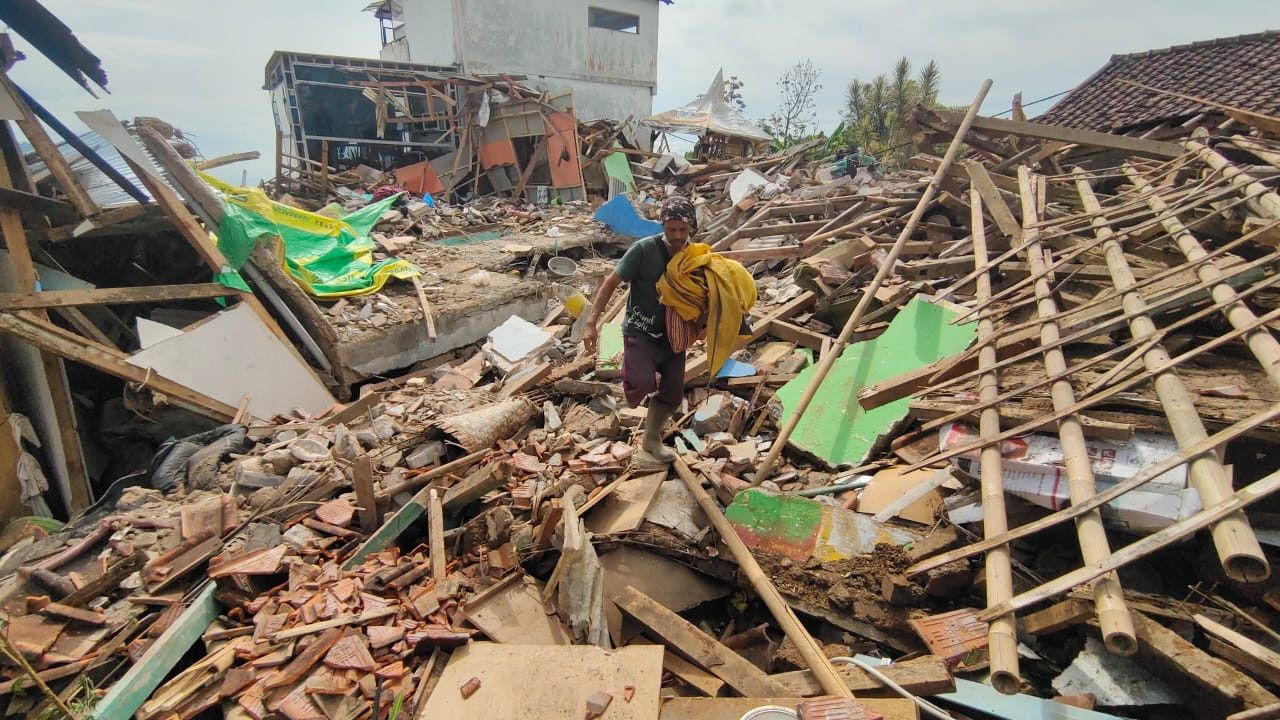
(199, 64)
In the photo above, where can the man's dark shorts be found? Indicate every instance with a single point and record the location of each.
(650, 366)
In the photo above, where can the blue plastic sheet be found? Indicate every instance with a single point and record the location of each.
(621, 217)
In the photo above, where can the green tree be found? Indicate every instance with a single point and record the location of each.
(877, 114)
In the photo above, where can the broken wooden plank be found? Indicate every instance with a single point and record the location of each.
(362, 479)
(10, 302)
(476, 485)
(733, 708)
(1076, 136)
(1218, 687)
(927, 675)
(305, 660)
(1264, 662)
(325, 625)
(55, 673)
(697, 646)
(1068, 613)
(435, 528)
(68, 345)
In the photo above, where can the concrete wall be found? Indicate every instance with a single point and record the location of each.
(429, 30)
(613, 74)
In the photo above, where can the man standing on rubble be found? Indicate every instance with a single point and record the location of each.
(650, 366)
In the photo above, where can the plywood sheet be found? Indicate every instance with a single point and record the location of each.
(152, 333)
(513, 612)
(626, 506)
(547, 682)
(666, 581)
(890, 484)
(236, 355)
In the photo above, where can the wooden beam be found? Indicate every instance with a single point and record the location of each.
(1068, 613)
(698, 647)
(104, 219)
(435, 528)
(1267, 712)
(48, 152)
(1218, 688)
(1263, 661)
(80, 493)
(1141, 548)
(755, 254)
(53, 339)
(10, 302)
(221, 160)
(1075, 136)
(474, 486)
(362, 479)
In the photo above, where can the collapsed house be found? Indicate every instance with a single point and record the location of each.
(958, 467)
(722, 131)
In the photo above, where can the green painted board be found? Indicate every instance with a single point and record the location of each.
(610, 354)
(618, 166)
(835, 428)
(391, 529)
(135, 687)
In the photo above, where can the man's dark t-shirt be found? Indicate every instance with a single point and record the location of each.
(641, 266)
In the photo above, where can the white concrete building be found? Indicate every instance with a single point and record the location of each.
(606, 51)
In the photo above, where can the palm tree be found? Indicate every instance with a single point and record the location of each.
(930, 79)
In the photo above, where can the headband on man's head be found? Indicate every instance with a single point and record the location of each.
(679, 208)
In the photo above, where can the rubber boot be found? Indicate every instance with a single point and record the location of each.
(654, 421)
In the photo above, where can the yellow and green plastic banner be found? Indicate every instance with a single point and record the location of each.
(328, 257)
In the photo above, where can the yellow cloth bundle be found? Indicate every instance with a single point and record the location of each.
(698, 282)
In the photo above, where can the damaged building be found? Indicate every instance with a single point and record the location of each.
(604, 51)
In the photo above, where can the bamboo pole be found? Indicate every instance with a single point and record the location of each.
(886, 267)
(1230, 505)
(1241, 555)
(1094, 399)
(1070, 513)
(29, 672)
(819, 665)
(1260, 342)
(1101, 324)
(1266, 197)
(1002, 632)
(1108, 596)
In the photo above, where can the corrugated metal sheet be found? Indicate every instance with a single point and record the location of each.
(103, 190)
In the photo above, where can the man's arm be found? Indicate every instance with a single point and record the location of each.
(591, 336)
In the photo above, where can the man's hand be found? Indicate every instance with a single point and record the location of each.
(591, 336)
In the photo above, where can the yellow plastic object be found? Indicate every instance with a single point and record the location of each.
(575, 304)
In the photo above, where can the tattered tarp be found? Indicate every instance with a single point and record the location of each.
(708, 113)
(328, 257)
